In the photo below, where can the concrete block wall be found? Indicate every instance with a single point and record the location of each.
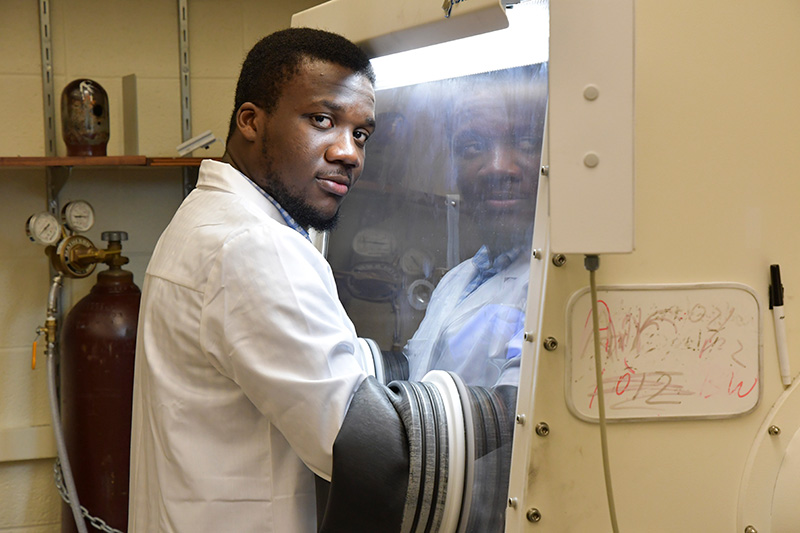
(103, 41)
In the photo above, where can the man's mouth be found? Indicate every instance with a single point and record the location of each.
(336, 184)
(505, 196)
(504, 193)
(504, 203)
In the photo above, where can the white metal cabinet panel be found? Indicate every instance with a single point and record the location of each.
(591, 126)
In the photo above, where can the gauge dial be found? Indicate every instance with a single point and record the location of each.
(373, 243)
(416, 262)
(78, 215)
(43, 228)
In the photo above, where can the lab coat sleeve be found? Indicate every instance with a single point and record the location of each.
(273, 324)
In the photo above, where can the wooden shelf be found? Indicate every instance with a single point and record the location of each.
(176, 161)
(108, 161)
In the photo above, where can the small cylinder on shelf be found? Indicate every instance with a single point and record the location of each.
(84, 118)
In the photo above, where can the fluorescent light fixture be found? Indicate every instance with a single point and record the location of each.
(200, 141)
(524, 42)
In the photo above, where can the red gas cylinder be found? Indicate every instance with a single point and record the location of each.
(98, 341)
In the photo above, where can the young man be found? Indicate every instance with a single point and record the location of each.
(246, 361)
(474, 322)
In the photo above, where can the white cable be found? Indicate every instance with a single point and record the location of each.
(54, 411)
(592, 264)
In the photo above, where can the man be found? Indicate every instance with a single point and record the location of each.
(474, 323)
(246, 361)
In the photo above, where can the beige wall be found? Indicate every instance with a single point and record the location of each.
(103, 41)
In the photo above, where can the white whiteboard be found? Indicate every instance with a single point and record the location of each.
(670, 351)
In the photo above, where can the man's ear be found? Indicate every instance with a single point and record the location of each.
(248, 122)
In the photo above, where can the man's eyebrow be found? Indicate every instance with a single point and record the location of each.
(333, 106)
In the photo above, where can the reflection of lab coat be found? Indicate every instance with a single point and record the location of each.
(480, 337)
(244, 369)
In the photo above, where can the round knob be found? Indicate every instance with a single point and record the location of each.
(114, 236)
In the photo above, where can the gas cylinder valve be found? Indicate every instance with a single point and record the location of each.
(76, 256)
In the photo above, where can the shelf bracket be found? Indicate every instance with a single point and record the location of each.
(48, 93)
(189, 178)
(186, 98)
(57, 177)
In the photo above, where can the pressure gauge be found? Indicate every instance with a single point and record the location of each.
(372, 243)
(417, 263)
(78, 215)
(43, 228)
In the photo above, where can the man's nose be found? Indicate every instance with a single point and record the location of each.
(502, 160)
(345, 150)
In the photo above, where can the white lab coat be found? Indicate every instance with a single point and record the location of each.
(245, 366)
(480, 337)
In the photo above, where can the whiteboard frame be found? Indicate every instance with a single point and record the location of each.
(658, 287)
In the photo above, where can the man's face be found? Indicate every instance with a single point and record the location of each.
(312, 144)
(496, 152)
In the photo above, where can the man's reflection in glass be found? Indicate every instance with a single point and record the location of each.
(474, 322)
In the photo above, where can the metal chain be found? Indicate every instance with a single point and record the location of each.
(97, 523)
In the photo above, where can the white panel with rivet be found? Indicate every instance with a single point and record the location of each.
(591, 126)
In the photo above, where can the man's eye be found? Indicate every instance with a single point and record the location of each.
(468, 144)
(527, 143)
(470, 148)
(322, 121)
(361, 136)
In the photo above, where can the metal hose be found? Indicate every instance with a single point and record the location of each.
(61, 446)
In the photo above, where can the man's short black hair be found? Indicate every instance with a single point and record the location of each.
(276, 58)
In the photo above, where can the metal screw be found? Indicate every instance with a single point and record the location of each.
(542, 429)
(559, 260)
(537, 254)
(533, 515)
(512, 502)
(550, 344)
(750, 529)
(545, 170)
(520, 420)
(774, 430)
(528, 336)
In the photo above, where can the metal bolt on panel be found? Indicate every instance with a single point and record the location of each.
(550, 344)
(542, 429)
